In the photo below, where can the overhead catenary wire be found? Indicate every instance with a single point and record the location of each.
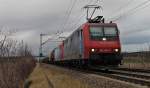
(69, 13)
(58, 31)
(63, 25)
(133, 11)
(82, 15)
(66, 18)
(121, 8)
(129, 12)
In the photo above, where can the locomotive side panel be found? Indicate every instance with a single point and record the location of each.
(73, 46)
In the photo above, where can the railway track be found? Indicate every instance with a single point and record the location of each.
(139, 73)
(133, 70)
(141, 77)
(134, 76)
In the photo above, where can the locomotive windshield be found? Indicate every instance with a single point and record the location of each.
(96, 33)
(110, 31)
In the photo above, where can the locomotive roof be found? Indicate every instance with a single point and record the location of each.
(101, 24)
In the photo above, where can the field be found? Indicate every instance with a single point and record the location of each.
(137, 60)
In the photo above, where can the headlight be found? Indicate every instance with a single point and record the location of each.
(116, 50)
(104, 39)
(92, 50)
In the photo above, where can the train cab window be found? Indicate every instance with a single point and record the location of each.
(110, 31)
(96, 32)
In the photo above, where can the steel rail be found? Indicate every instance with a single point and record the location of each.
(133, 74)
(133, 70)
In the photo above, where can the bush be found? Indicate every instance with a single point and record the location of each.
(13, 72)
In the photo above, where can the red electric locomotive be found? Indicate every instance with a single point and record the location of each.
(94, 43)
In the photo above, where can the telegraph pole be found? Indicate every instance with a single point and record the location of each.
(40, 49)
(44, 42)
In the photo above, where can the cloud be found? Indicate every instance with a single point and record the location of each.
(32, 17)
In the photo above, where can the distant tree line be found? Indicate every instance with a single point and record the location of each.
(10, 47)
(137, 54)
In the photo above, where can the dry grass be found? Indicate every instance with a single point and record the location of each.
(136, 62)
(14, 71)
(57, 78)
(38, 79)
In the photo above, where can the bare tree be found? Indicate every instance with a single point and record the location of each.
(16, 61)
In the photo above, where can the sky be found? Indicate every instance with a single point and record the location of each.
(32, 17)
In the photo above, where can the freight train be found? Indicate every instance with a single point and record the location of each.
(93, 43)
